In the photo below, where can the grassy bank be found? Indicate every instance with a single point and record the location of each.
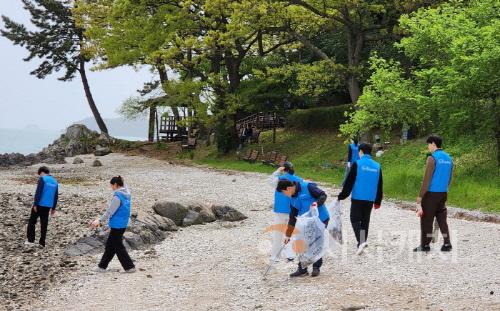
(319, 156)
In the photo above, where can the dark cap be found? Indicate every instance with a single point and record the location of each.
(288, 166)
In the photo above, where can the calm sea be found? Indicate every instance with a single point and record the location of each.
(33, 141)
(25, 141)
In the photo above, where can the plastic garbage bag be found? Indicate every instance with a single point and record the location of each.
(335, 224)
(310, 238)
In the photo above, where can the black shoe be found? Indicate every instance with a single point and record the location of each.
(446, 248)
(315, 272)
(299, 273)
(290, 259)
(425, 248)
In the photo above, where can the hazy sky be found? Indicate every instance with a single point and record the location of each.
(49, 103)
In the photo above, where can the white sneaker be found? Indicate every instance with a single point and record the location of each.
(361, 247)
(100, 270)
(131, 270)
(30, 244)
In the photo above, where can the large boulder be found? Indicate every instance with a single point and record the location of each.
(77, 140)
(101, 151)
(79, 132)
(204, 211)
(76, 147)
(140, 234)
(173, 210)
(104, 140)
(163, 223)
(227, 213)
(192, 218)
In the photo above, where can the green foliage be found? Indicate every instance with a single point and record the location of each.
(389, 101)
(319, 156)
(318, 118)
(132, 108)
(455, 86)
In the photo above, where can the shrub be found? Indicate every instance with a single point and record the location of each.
(318, 118)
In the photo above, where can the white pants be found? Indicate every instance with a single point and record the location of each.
(278, 234)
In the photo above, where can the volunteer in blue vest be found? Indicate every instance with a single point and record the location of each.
(365, 183)
(281, 211)
(46, 195)
(433, 195)
(352, 156)
(117, 215)
(303, 195)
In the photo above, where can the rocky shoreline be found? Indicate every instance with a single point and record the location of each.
(27, 272)
(77, 140)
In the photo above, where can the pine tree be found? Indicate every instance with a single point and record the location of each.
(56, 41)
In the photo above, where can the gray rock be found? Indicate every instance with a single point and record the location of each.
(96, 163)
(134, 240)
(205, 212)
(139, 234)
(227, 213)
(101, 151)
(78, 131)
(173, 210)
(192, 218)
(75, 147)
(77, 140)
(104, 140)
(163, 223)
(78, 160)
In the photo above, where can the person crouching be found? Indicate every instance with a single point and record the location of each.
(303, 195)
(117, 214)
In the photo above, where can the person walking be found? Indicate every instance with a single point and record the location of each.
(352, 156)
(303, 195)
(45, 202)
(281, 211)
(117, 215)
(433, 195)
(364, 181)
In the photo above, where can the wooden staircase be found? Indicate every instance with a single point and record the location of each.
(262, 121)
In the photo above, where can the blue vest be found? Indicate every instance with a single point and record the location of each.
(442, 171)
(354, 153)
(367, 177)
(120, 218)
(281, 201)
(304, 200)
(47, 199)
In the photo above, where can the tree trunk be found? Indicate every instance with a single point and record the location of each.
(151, 126)
(157, 126)
(90, 99)
(354, 47)
(153, 114)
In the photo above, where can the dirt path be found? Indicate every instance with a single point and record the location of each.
(219, 266)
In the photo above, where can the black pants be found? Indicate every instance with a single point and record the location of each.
(319, 262)
(114, 245)
(43, 213)
(360, 219)
(433, 205)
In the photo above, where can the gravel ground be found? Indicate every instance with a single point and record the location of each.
(219, 266)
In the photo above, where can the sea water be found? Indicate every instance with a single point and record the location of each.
(25, 141)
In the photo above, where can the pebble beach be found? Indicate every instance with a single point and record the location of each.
(219, 266)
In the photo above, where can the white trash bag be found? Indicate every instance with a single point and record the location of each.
(335, 224)
(310, 238)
